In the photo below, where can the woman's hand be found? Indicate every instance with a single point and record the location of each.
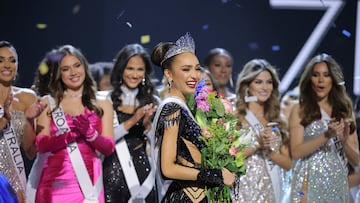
(265, 138)
(228, 177)
(149, 109)
(35, 110)
(345, 134)
(336, 129)
(7, 104)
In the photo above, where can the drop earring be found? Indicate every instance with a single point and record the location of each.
(248, 98)
(231, 82)
(143, 81)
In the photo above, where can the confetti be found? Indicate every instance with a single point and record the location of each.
(145, 39)
(43, 68)
(253, 45)
(120, 14)
(76, 9)
(225, 1)
(129, 24)
(41, 26)
(346, 33)
(275, 47)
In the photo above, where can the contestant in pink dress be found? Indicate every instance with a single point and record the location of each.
(90, 125)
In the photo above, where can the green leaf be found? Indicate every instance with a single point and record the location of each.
(200, 117)
(191, 102)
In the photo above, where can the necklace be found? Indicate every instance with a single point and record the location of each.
(73, 95)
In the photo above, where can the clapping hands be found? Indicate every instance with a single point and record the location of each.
(339, 128)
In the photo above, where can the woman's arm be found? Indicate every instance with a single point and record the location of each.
(107, 118)
(169, 167)
(281, 158)
(351, 145)
(34, 107)
(298, 148)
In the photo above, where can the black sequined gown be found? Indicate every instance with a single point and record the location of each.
(188, 130)
(115, 186)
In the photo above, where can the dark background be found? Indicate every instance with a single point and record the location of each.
(247, 28)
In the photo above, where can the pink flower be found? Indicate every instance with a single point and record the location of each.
(205, 133)
(227, 105)
(231, 138)
(233, 150)
(203, 106)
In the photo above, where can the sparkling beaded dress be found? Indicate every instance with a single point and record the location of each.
(181, 190)
(58, 182)
(320, 175)
(6, 164)
(255, 185)
(116, 189)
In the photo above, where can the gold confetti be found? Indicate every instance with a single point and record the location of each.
(43, 68)
(41, 26)
(145, 39)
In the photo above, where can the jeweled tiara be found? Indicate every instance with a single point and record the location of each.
(183, 44)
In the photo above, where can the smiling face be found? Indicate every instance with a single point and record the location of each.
(184, 73)
(261, 86)
(72, 72)
(321, 80)
(221, 68)
(8, 64)
(134, 72)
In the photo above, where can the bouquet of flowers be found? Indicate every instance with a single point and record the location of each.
(223, 140)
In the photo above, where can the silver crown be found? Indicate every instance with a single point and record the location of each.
(183, 44)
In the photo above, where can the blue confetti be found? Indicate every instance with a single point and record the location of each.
(275, 47)
(225, 1)
(253, 45)
(346, 33)
(205, 27)
(120, 14)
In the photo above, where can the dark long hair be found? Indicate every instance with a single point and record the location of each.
(146, 91)
(57, 86)
(337, 98)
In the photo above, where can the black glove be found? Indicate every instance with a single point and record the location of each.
(210, 177)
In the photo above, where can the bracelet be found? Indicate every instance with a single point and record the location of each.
(91, 139)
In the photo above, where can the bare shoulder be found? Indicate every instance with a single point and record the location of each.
(24, 92)
(104, 103)
(295, 118)
(25, 95)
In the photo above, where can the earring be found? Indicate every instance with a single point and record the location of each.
(143, 81)
(169, 84)
(231, 82)
(248, 98)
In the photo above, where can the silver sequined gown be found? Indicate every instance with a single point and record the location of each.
(323, 171)
(6, 164)
(255, 186)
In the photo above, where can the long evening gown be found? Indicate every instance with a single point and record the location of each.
(181, 190)
(256, 184)
(321, 175)
(116, 189)
(7, 167)
(58, 182)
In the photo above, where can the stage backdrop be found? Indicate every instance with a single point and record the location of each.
(248, 29)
